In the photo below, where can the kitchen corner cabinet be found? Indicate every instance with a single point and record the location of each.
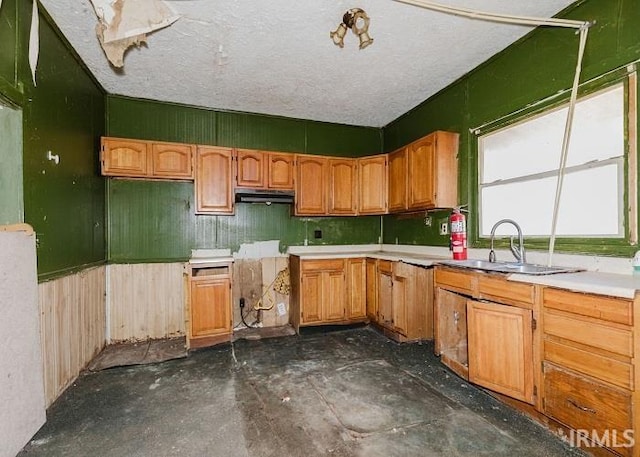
(398, 181)
(210, 314)
(214, 180)
(372, 289)
(372, 185)
(404, 301)
(343, 187)
(320, 291)
(311, 185)
(146, 159)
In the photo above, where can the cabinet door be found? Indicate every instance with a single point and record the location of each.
(172, 160)
(372, 289)
(210, 306)
(398, 180)
(343, 174)
(280, 171)
(399, 303)
(311, 297)
(451, 334)
(334, 300)
(251, 168)
(213, 182)
(421, 166)
(356, 288)
(372, 185)
(385, 298)
(501, 348)
(125, 158)
(311, 185)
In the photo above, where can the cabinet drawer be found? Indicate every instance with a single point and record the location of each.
(587, 362)
(323, 264)
(456, 279)
(612, 339)
(605, 308)
(499, 287)
(582, 403)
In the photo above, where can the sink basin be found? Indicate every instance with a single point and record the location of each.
(509, 267)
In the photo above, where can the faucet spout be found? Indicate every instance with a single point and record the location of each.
(518, 252)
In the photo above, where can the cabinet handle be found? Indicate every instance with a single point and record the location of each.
(581, 408)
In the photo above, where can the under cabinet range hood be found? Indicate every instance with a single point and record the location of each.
(264, 196)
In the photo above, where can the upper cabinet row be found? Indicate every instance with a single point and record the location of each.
(422, 175)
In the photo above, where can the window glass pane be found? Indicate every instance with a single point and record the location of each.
(534, 146)
(589, 205)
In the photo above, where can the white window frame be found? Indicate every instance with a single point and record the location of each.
(627, 219)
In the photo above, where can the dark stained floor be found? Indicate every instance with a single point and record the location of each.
(342, 393)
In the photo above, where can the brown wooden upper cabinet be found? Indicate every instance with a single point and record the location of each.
(146, 159)
(433, 171)
(214, 180)
(343, 187)
(170, 160)
(280, 171)
(398, 180)
(372, 184)
(251, 168)
(311, 185)
(120, 157)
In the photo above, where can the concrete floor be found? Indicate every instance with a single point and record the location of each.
(342, 393)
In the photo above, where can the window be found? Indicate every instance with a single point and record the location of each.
(518, 169)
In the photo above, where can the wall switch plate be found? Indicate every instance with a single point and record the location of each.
(444, 228)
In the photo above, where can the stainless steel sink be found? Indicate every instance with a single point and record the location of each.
(509, 267)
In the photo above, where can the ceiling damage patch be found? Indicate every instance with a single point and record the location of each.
(125, 23)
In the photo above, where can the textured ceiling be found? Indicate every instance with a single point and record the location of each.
(281, 60)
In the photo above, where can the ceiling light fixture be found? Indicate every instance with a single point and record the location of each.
(356, 20)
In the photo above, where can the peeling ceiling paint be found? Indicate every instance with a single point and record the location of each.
(277, 57)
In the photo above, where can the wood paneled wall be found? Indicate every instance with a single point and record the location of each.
(72, 319)
(145, 301)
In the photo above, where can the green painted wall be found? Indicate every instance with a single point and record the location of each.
(538, 66)
(9, 33)
(11, 198)
(64, 114)
(155, 221)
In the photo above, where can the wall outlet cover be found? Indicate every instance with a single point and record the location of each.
(281, 309)
(444, 228)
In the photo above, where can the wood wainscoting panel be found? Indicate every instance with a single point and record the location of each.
(73, 323)
(145, 301)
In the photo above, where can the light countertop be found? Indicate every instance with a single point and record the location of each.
(596, 282)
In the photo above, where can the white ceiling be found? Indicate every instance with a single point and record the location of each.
(281, 60)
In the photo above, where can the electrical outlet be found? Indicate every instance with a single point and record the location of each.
(444, 228)
(428, 221)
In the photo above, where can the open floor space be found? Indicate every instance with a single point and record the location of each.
(344, 393)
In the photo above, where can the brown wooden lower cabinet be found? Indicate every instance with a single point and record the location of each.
(327, 291)
(568, 358)
(209, 311)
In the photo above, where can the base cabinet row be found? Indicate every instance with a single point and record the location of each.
(569, 355)
(393, 295)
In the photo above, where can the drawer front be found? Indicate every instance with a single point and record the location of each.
(601, 336)
(456, 279)
(600, 307)
(323, 264)
(582, 403)
(613, 371)
(510, 290)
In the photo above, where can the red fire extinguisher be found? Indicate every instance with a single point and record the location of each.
(458, 224)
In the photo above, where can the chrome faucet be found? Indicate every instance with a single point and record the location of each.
(518, 252)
